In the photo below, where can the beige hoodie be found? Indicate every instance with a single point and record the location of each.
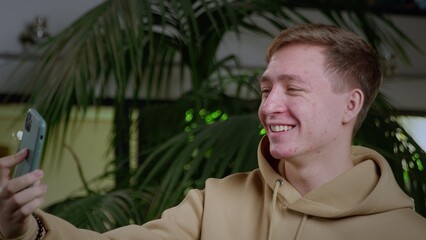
(362, 203)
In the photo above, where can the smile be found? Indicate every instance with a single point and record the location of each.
(280, 128)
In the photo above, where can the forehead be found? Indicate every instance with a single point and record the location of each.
(282, 78)
(299, 63)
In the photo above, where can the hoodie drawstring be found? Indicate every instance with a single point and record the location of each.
(278, 184)
(300, 228)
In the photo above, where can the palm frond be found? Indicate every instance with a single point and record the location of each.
(189, 158)
(102, 212)
(130, 50)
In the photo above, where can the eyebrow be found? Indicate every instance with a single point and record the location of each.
(284, 77)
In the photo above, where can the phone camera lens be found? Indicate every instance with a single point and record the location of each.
(28, 123)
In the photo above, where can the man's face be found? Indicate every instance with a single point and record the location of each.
(300, 112)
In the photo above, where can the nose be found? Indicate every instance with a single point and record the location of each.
(274, 102)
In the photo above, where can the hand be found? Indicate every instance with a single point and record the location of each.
(19, 197)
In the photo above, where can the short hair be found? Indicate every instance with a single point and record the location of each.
(350, 61)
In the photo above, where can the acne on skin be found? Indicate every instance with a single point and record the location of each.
(308, 123)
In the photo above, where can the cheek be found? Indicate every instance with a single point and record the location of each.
(320, 117)
(313, 114)
(259, 114)
(327, 118)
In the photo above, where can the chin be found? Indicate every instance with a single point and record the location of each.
(281, 153)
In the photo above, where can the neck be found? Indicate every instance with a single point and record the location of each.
(310, 172)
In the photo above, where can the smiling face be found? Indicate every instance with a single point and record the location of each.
(300, 112)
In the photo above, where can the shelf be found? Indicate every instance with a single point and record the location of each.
(16, 56)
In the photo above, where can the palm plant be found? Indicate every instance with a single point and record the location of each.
(143, 48)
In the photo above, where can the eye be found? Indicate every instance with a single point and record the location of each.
(294, 89)
(265, 91)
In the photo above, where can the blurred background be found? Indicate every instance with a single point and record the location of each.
(88, 159)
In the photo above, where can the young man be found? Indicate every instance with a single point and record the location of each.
(311, 183)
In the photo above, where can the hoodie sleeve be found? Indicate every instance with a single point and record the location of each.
(180, 222)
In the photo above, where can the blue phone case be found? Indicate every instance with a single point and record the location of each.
(33, 139)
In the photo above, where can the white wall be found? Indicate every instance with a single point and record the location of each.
(416, 127)
(15, 14)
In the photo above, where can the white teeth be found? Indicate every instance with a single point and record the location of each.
(281, 128)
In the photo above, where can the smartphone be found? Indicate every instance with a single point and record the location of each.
(33, 136)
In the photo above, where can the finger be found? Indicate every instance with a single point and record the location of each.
(24, 200)
(18, 206)
(21, 214)
(7, 163)
(12, 160)
(18, 184)
(30, 207)
(38, 182)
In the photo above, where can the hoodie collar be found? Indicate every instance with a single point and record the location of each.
(369, 187)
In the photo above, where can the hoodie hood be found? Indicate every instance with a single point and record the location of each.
(367, 188)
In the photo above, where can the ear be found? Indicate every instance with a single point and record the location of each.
(354, 104)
